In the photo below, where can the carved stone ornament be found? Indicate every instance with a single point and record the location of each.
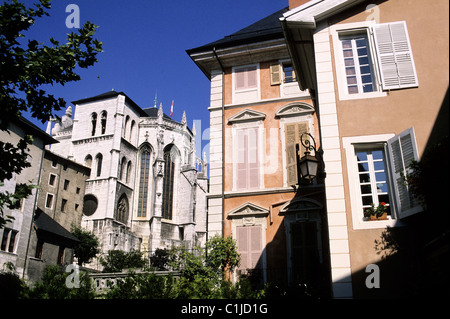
(247, 115)
(248, 210)
(293, 109)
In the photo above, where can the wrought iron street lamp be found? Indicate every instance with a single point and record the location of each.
(309, 164)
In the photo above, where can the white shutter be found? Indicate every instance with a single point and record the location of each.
(242, 159)
(402, 150)
(275, 74)
(255, 247)
(395, 57)
(242, 244)
(291, 158)
(253, 158)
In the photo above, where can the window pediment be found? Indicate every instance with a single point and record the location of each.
(248, 209)
(295, 109)
(300, 204)
(246, 116)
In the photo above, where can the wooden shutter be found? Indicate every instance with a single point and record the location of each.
(291, 158)
(241, 166)
(240, 79)
(275, 74)
(248, 239)
(255, 246)
(402, 150)
(293, 132)
(246, 78)
(247, 166)
(251, 77)
(395, 57)
(242, 246)
(253, 158)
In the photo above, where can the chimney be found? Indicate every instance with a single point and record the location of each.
(296, 3)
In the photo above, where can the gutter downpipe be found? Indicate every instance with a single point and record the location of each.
(223, 143)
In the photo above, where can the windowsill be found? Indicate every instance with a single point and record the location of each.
(374, 224)
(359, 96)
(261, 191)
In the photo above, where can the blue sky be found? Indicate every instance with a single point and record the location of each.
(145, 43)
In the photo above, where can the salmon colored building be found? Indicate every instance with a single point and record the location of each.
(359, 77)
(258, 113)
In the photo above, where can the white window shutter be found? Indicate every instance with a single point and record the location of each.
(395, 58)
(275, 74)
(242, 161)
(291, 159)
(240, 79)
(242, 244)
(255, 246)
(402, 150)
(253, 158)
(251, 77)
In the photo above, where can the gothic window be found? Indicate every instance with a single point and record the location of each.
(98, 161)
(88, 161)
(122, 209)
(143, 181)
(169, 167)
(125, 129)
(132, 131)
(122, 168)
(128, 175)
(103, 121)
(93, 123)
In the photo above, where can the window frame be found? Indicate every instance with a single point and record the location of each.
(350, 144)
(54, 179)
(9, 245)
(247, 94)
(258, 125)
(46, 200)
(288, 120)
(349, 30)
(144, 181)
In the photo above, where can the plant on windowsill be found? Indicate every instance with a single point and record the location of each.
(379, 213)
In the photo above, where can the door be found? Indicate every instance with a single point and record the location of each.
(304, 252)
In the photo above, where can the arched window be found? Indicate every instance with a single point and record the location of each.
(132, 131)
(93, 123)
(98, 162)
(125, 128)
(122, 168)
(143, 181)
(90, 204)
(121, 214)
(88, 161)
(169, 168)
(103, 121)
(128, 175)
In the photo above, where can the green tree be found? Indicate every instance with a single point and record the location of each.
(222, 254)
(26, 67)
(87, 248)
(117, 260)
(53, 286)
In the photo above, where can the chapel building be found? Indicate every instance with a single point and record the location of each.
(147, 189)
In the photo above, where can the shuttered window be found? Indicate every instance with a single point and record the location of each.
(395, 57)
(275, 74)
(358, 64)
(247, 166)
(403, 150)
(292, 133)
(249, 245)
(245, 78)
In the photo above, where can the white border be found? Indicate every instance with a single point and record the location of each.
(354, 192)
(260, 126)
(235, 93)
(362, 26)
